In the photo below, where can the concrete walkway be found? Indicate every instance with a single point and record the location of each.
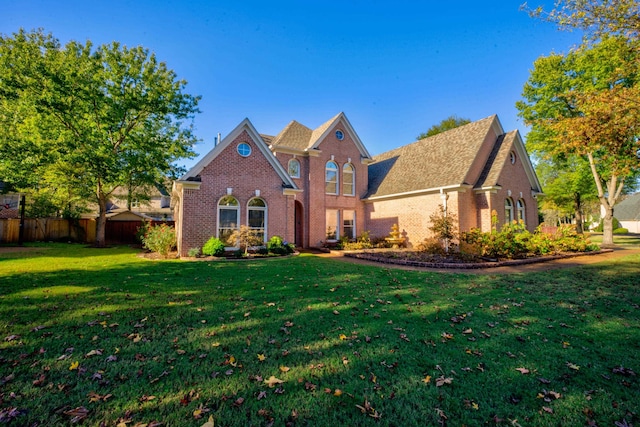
(577, 261)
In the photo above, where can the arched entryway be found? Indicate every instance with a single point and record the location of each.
(299, 224)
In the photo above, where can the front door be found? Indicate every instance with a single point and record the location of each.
(299, 228)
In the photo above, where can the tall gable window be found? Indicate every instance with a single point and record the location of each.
(257, 217)
(294, 168)
(228, 217)
(348, 180)
(508, 210)
(331, 177)
(520, 209)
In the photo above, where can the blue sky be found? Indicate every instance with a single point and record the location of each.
(394, 68)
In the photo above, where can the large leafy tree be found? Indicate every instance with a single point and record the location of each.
(89, 120)
(585, 103)
(449, 123)
(596, 18)
(569, 188)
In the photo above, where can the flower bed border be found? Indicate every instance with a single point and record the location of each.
(368, 256)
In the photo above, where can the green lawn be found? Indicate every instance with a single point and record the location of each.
(106, 337)
(625, 240)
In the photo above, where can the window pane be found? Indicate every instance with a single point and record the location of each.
(228, 201)
(256, 218)
(257, 202)
(228, 218)
(332, 224)
(347, 180)
(331, 178)
(294, 168)
(349, 224)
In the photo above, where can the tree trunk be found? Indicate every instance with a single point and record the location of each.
(101, 222)
(607, 227)
(577, 207)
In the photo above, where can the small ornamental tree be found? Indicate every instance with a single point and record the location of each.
(245, 237)
(443, 226)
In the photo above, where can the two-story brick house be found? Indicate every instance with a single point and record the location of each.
(309, 185)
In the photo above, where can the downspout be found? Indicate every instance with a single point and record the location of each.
(444, 196)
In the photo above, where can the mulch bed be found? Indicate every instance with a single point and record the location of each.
(416, 259)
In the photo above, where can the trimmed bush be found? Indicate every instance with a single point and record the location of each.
(363, 241)
(213, 247)
(621, 230)
(193, 252)
(277, 246)
(160, 238)
(600, 227)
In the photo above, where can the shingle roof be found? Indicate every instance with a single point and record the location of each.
(496, 161)
(439, 161)
(294, 135)
(628, 209)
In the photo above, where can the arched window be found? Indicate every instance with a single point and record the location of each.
(331, 177)
(520, 209)
(508, 210)
(228, 218)
(348, 180)
(257, 217)
(294, 168)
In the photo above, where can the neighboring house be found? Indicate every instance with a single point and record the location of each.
(154, 205)
(9, 205)
(628, 213)
(310, 185)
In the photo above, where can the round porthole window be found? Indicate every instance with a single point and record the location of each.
(512, 157)
(339, 135)
(244, 149)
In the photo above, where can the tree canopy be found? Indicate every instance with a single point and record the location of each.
(585, 103)
(80, 120)
(597, 18)
(449, 123)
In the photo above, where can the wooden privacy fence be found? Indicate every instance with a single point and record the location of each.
(83, 230)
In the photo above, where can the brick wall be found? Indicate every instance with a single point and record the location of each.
(314, 200)
(515, 185)
(244, 175)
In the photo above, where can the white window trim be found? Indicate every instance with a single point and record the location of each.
(337, 170)
(521, 207)
(237, 209)
(288, 168)
(508, 220)
(353, 179)
(266, 215)
(354, 233)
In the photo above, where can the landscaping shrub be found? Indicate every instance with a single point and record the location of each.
(363, 241)
(277, 246)
(621, 230)
(213, 247)
(600, 227)
(515, 241)
(160, 239)
(443, 226)
(431, 245)
(193, 252)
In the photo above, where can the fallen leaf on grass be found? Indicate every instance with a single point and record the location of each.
(273, 381)
(146, 398)
(440, 381)
(77, 414)
(74, 366)
(523, 371)
(547, 409)
(427, 379)
(284, 369)
(369, 410)
(261, 357)
(573, 366)
(208, 423)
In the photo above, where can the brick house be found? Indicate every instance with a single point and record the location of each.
(310, 185)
